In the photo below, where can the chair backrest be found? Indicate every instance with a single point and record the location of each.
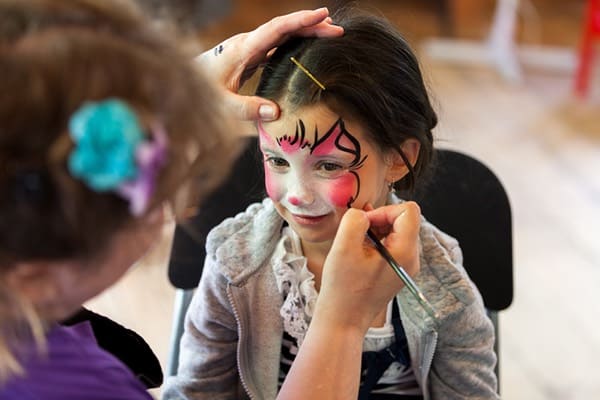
(467, 200)
(244, 186)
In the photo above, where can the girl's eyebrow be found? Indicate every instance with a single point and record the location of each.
(263, 145)
(335, 154)
(268, 148)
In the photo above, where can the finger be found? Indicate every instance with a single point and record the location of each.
(402, 239)
(296, 21)
(277, 30)
(352, 230)
(269, 54)
(398, 223)
(406, 224)
(385, 216)
(368, 207)
(323, 29)
(250, 108)
(412, 216)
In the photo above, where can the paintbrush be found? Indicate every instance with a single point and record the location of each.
(408, 281)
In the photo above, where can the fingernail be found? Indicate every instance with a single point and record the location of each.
(266, 112)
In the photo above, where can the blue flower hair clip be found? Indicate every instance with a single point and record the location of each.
(112, 154)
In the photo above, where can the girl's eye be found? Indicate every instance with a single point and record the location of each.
(329, 169)
(276, 163)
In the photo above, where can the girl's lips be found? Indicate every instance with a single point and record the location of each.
(308, 219)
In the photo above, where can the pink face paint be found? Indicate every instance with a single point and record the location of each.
(270, 187)
(327, 144)
(294, 200)
(265, 139)
(319, 195)
(288, 144)
(339, 139)
(342, 190)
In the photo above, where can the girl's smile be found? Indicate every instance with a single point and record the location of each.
(308, 220)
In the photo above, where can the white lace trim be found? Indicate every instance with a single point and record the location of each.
(296, 283)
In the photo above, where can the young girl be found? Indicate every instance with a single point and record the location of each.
(102, 121)
(355, 128)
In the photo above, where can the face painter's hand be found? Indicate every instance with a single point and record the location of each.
(357, 282)
(233, 61)
(397, 226)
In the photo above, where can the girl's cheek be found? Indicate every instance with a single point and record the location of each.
(342, 190)
(273, 187)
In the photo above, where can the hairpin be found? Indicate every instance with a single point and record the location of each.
(111, 152)
(307, 72)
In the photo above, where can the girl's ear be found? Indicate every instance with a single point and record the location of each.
(398, 168)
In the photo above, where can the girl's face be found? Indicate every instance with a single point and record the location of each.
(316, 166)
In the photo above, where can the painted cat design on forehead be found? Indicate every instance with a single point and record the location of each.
(337, 137)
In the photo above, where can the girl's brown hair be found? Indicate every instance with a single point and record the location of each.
(370, 74)
(55, 55)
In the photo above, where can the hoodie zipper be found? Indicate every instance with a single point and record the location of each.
(427, 361)
(239, 348)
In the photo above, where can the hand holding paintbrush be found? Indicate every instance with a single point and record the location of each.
(369, 281)
(397, 267)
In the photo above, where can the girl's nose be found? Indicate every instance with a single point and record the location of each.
(300, 196)
(295, 201)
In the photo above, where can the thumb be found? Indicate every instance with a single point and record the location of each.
(251, 108)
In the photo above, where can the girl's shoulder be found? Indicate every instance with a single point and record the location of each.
(438, 247)
(443, 277)
(243, 220)
(244, 241)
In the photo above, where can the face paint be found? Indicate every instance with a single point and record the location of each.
(288, 177)
(312, 177)
(338, 138)
(290, 145)
(344, 190)
(274, 190)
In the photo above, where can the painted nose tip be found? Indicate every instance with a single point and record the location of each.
(294, 201)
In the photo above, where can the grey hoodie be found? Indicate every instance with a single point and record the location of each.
(231, 345)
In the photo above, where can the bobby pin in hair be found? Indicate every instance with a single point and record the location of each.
(307, 72)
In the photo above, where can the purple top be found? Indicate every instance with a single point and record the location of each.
(74, 368)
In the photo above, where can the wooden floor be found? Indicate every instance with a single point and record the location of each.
(545, 147)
